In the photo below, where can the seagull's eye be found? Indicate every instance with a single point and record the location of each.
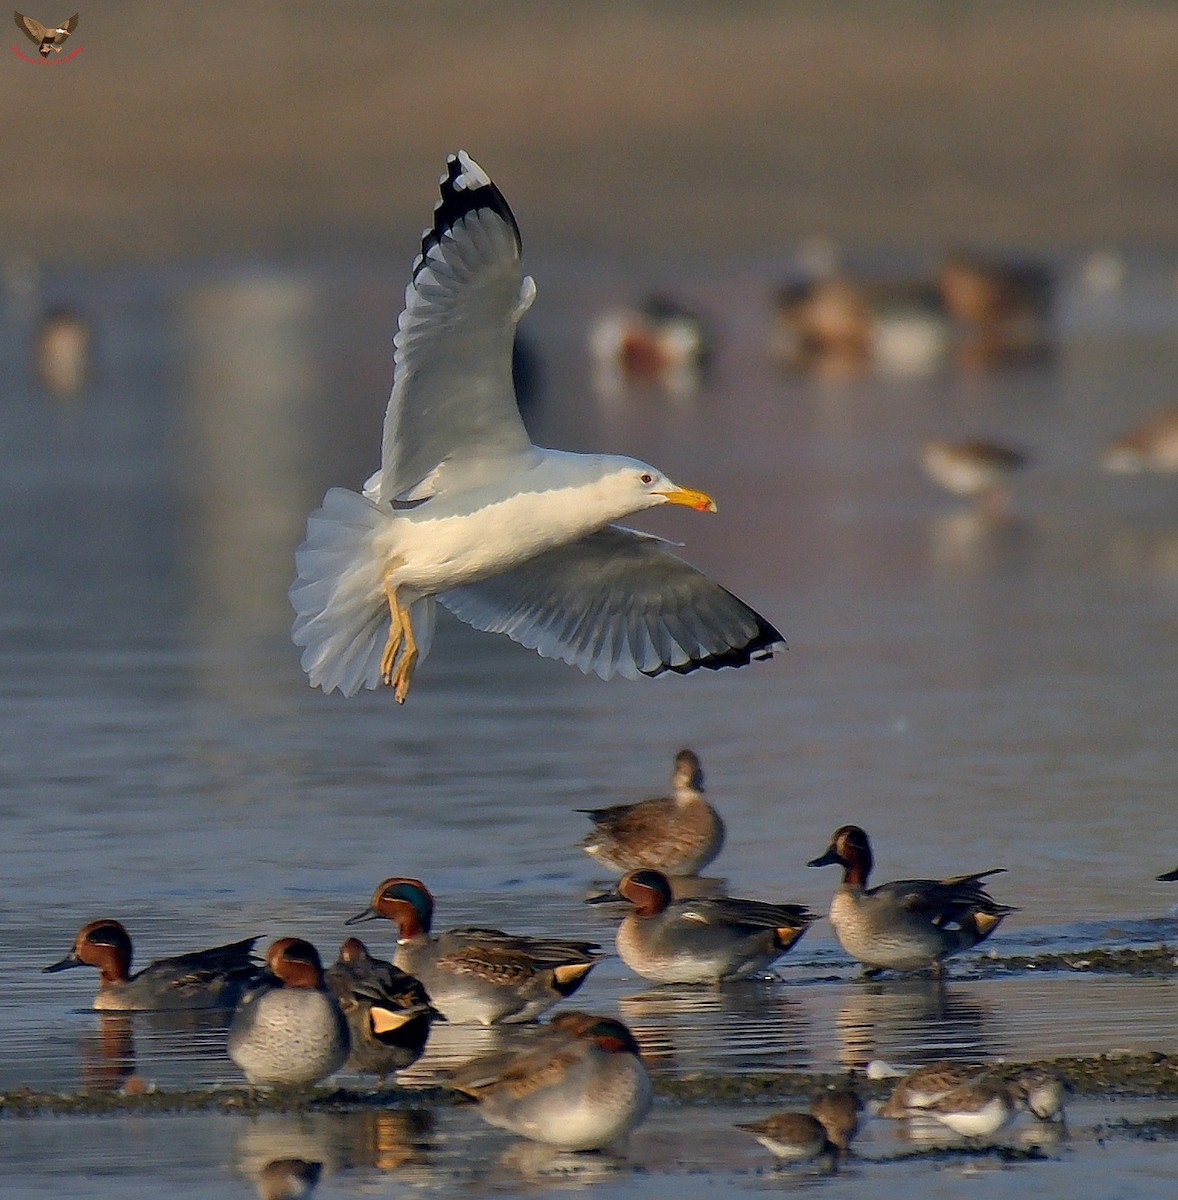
(648, 479)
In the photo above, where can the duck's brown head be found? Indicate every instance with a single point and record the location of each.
(648, 890)
(850, 849)
(406, 902)
(295, 963)
(610, 1034)
(688, 774)
(104, 944)
(353, 951)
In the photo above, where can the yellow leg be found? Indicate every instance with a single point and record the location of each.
(398, 674)
(403, 675)
(396, 636)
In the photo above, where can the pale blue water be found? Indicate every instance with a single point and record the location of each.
(973, 694)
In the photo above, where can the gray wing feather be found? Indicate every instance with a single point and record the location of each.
(617, 602)
(453, 403)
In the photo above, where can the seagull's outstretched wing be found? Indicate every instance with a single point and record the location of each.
(33, 30)
(453, 412)
(618, 602)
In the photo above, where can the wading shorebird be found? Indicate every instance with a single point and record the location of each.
(465, 510)
(977, 469)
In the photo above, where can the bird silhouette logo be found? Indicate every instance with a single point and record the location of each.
(44, 37)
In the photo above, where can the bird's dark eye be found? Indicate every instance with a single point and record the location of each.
(648, 479)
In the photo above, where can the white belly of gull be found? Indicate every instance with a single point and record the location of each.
(433, 553)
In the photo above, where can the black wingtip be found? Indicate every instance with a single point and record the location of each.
(465, 188)
(764, 643)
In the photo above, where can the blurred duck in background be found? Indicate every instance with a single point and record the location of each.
(1002, 307)
(973, 311)
(660, 343)
(976, 469)
(1152, 446)
(841, 325)
(61, 352)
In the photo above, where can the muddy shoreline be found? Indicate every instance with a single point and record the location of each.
(1135, 1076)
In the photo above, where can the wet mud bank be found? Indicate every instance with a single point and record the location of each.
(1139, 1076)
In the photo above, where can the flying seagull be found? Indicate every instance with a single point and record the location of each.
(46, 39)
(465, 510)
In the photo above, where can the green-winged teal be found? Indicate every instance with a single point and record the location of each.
(289, 1031)
(389, 1012)
(473, 975)
(213, 978)
(581, 1086)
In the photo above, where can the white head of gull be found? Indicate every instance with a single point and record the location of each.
(466, 511)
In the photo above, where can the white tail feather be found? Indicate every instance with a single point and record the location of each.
(341, 613)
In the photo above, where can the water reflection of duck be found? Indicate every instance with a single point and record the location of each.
(755, 1026)
(288, 1179)
(1151, 446)
(661, 342)
(906, 1019)
(107, 1057)
(61, 352)
(678, 834)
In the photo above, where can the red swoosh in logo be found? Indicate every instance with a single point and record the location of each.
(50, 60)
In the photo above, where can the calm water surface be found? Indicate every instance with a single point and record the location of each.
(974, 693)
